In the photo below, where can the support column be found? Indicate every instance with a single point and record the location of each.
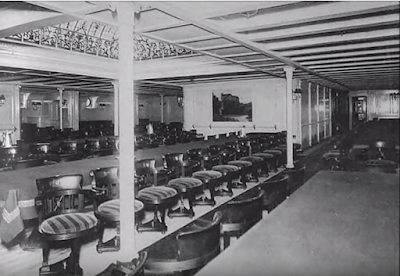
(289, 117)
(61, 90)
(309, 115)
(162, 107)
(116, 107)
(330, 112)
(126, 131)
(350, 112)
(317, 106)
(324, 101)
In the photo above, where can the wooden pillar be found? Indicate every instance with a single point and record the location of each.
(61, 90)
(289, 117)
(317, 107)
(116, 107)
(309, 115)
(126, 131)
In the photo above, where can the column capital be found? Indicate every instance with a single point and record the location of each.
(289, 71)
(60, 89)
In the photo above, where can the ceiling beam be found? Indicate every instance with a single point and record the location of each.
(187, 16)
(321, 19)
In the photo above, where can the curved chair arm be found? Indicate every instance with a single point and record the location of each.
(200, 242)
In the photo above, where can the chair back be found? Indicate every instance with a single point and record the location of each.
(214, 149)
(228, 154)
(255, 144)
(59, 182)
(243, 211)
(172, 160)
(24, 164)
(58, 202)
(202, 241)
(69, 146)
(93, 144)
(40, 148)
(145, 166)
(276, 190)
(145, 172)
(195, 154)
(107, 180)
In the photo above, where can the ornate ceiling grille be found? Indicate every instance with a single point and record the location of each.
(95, 39)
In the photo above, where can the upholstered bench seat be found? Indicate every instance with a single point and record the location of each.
(68, 224)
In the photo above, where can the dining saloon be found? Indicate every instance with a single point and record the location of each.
(199, 138)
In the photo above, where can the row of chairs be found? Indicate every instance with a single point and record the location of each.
(68, 196)
(44, 153)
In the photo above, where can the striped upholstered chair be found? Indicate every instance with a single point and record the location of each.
(63, 217)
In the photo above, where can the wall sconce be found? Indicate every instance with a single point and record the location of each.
(141, 106)
(2, 100)
(180, 100)
(36, 105)
(64, 103)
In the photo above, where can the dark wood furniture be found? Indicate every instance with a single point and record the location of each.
(210, 179)
(158, 199)
(106, 206)
(188, 250)
(240, 214)
(187, 188)
(62, 217)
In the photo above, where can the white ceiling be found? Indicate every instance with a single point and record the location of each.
(345, 45)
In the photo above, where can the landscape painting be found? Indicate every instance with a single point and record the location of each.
(231, 106)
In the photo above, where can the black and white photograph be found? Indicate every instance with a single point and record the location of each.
(199, 138)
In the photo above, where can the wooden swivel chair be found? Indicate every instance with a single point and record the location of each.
(186, 251)
(152, 176)
(133, 268)
(275, 191)
(59, 182)
(28, 163)
(240, 214)
(180, 167)
(106, 206)
(63, 217)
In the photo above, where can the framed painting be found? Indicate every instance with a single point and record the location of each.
(229, 106)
